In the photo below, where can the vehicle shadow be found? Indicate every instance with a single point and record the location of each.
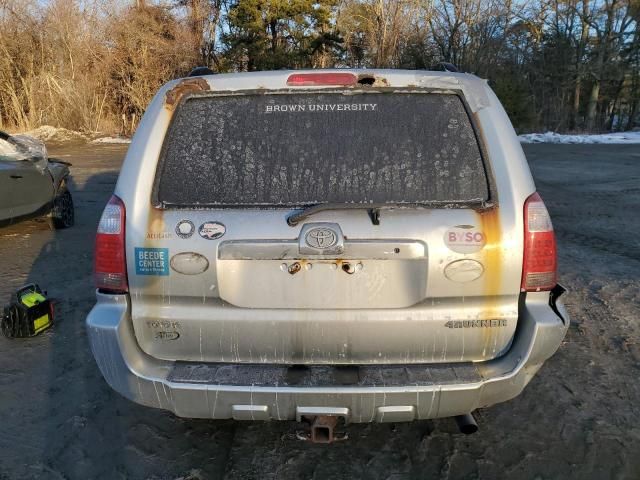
(51, 391)
(61, 420)
(59, 417)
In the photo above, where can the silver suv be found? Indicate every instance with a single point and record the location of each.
(363, 245)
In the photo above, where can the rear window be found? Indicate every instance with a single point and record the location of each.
(296, 149)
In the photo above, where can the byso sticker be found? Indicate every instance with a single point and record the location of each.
(464, 239)
(211, 230)
(152, 261)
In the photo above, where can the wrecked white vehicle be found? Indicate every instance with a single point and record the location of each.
(330, 246)
(31, 184)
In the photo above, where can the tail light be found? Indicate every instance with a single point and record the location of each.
(539, 270)
(110, 261)
(314, 79)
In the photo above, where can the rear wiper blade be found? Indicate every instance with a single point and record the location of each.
(374, 211)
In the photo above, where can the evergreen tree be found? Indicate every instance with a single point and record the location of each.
(276, 34)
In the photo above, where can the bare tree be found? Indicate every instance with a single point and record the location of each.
(377, 28)
(84, 64)
(610, 23)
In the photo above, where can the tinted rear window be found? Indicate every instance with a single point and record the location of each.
(299, 149)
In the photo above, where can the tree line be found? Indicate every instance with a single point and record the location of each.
(93, 65)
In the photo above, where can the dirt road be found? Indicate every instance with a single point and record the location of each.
(577, 418)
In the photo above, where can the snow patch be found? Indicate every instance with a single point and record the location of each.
(112, 140)
(47, 133)
(608, 138)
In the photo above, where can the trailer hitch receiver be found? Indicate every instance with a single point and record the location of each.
(322, 429)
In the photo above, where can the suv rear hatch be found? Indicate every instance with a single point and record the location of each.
(406, 267)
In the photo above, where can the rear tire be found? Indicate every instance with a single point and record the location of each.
(62, 214)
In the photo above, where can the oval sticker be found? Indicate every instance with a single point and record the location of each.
(464, 239)
(211, 230)
(463, 271)
(189, 263)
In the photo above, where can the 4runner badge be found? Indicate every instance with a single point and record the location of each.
(211, 230)
(502, 322)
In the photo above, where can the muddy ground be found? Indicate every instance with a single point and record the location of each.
(577, 418)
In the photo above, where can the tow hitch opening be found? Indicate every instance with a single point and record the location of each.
(322, 429)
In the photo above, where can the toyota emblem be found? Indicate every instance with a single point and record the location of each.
(321, 238)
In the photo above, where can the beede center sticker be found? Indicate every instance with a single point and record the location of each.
(152, 261)
(464, 239)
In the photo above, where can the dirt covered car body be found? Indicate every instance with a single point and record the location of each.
(31, 184)
(360, 244)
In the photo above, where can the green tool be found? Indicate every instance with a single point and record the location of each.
(29, 313)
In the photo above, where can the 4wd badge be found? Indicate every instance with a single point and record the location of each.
(211, 230)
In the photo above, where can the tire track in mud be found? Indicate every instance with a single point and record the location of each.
(599, 243)
(577, 419)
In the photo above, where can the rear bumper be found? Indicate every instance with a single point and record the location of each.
(265, 393)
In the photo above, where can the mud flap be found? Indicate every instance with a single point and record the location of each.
(554, 295)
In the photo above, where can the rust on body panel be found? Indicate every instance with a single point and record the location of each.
(294, 268)
(190, 85)
(372, 80)
(492, 259)
(492, 252)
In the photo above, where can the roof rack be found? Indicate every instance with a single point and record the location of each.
(446, 67)
(199, 71)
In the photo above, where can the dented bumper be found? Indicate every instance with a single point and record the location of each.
(359, 394)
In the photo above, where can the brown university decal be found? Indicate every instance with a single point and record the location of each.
(322, 107)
